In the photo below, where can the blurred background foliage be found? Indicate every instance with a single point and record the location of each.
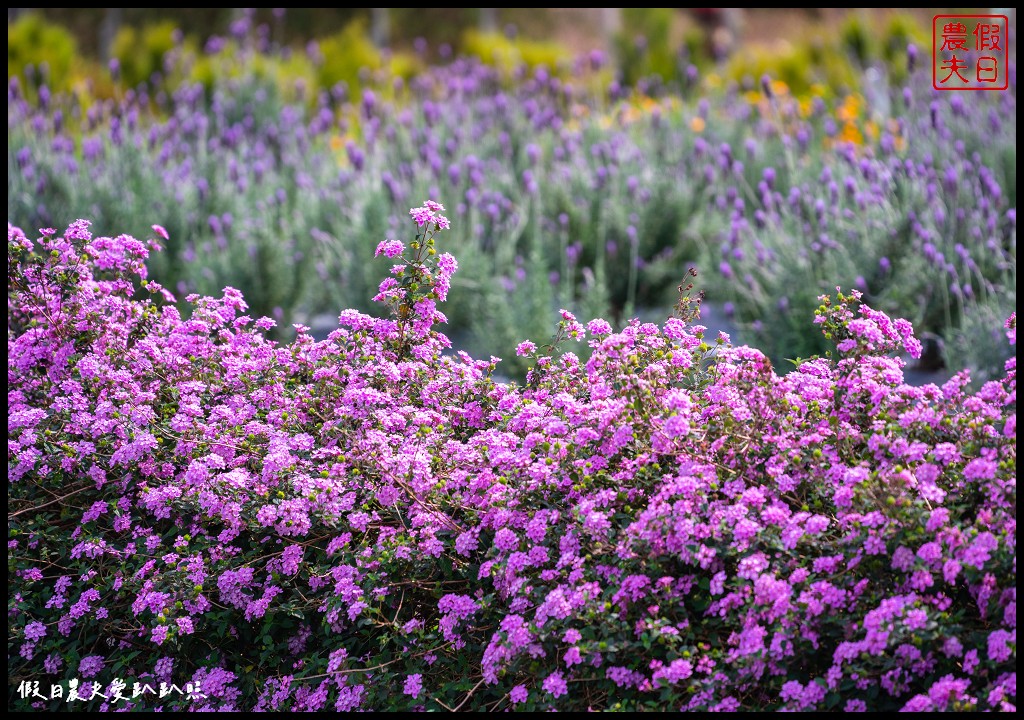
(587, 157)
(797, 46)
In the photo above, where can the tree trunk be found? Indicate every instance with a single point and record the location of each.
(380, 27)
(108, 31)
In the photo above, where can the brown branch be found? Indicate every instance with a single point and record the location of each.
(468, 695)
(40, 507)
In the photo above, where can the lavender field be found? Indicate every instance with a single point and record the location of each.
(569, 190)
(515, 470)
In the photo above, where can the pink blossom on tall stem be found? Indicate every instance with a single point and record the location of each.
(430, 212)
(389, 248)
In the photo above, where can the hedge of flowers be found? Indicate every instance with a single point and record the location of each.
(368, 522)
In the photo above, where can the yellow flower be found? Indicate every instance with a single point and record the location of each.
(697, 124)
(851, 134)
(850, 108)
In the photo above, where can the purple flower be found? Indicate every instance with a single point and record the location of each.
(947, 690)
(518, 694)
(803, 696)
(389, 248)
(53, 663)
(572, 656)
(555, 684)
(430, 212)
(35, 631)
(413, 685)
(506, 539)
(999, 645)
(970, 661)
(599, 327)
(159, 634)
(163, 668)
(918, 703)
(447, 264)
(675, 672)
(466, 543)
(90, 666)
(980, 469)
(978, 553)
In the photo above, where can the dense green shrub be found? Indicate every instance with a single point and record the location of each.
(646, 46)
(513, 54)
(39, 53)
(140, 52)
(343, 56)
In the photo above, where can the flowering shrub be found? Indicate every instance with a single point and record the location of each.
(369, 523)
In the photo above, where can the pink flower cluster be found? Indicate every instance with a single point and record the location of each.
(429, 213)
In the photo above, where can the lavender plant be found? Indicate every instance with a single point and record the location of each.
(367, 522)
(567, 194)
